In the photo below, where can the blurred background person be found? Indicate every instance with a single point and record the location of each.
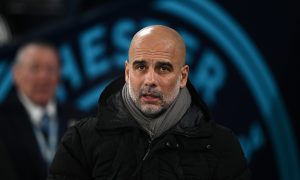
(32, 122)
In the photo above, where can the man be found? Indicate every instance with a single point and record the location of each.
(152, 126)
(31, 121)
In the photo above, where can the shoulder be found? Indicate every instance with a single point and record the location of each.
(11, 112)
(74, 155)
(225, 139)
(82, 134)
(79, 138)
(10, 107)
(86, 125)
(5, 109)
(82, 128)
(232, 162)
(223, 133)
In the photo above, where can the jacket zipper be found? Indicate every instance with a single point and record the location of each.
(148, 149)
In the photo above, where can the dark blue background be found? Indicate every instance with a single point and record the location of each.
(272, 26)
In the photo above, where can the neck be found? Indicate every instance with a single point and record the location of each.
(156, 124)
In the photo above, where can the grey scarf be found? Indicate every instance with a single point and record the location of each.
(156, 126)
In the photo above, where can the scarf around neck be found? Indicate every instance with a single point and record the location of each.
(158, 125)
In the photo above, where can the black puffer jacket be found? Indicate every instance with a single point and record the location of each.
(114, 147)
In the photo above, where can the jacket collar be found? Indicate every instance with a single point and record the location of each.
(113, 115)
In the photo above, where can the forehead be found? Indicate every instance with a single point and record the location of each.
(39, 55)
(152, 54)
(150, 49)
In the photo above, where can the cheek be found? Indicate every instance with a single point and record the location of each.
(134, 85)
(135, 81)
(26, 80)
(28, 76)
(54, 80)
(172, 82)
(169, 85)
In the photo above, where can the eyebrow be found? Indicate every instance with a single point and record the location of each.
(157, 64)
(139, 62)
(164, 64)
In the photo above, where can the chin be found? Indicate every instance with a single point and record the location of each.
(151, 111)
(42, 101)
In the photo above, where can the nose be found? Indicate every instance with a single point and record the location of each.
(44, 74)
(150, 78)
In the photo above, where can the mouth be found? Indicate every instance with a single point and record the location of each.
(43, 89)
(150, 98)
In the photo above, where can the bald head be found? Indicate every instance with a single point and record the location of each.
(153, 37)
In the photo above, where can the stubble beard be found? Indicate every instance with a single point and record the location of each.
(151, 110)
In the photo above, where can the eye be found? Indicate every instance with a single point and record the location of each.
(140, 67)
(164, 68)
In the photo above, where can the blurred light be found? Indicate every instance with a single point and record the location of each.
(5, 34)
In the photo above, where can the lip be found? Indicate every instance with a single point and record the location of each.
(43, 89)
(150, 99)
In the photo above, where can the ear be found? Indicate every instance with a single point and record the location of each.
(126, 71)
(184, 75)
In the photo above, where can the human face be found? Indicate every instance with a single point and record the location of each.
(37, 74)
(154, 75)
